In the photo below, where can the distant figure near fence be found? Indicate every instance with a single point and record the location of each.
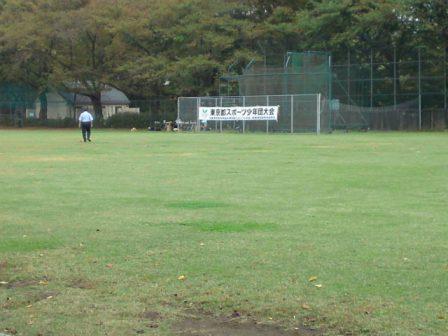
(85, 123)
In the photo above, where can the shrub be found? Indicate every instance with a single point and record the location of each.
(56, 123)
(128, 120)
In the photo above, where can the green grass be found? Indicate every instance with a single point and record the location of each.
(108, 227)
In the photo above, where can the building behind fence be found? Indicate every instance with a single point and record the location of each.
(21, 106)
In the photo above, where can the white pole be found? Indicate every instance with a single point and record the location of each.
(318, 114)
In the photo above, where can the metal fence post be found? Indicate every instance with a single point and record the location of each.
(198, 122)
(395, 78)
(267, 121)
(292, 114)
(178, 108)
(216, 123)
(331, 117)
(348, 81)
(220, 122)
(419, 89)
(445, 88)
(244, 121)
(371, 84)
(318, 114)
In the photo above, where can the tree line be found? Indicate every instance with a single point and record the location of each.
(165, 48)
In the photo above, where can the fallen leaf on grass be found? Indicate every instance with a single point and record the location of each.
(306, 306)
(109, 265)
(181, 277)
(313, 278)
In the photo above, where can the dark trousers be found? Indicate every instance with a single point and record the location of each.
(85, 127)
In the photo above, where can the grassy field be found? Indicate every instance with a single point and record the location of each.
(187, 234)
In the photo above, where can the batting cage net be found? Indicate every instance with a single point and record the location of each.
(378, 89)
(296, 113)
(298, 73)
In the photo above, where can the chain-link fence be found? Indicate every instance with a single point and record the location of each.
(387, 89)
(297, 113)
(395, 89)
(382, 89)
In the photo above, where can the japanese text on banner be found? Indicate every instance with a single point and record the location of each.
(239, 113)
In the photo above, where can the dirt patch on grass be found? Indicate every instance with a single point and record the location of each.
(22, 283)
(230, 326)
(27, 283)
(11, 331)
(46, 295)
(3, 265)
(151, 315)
(81, 283)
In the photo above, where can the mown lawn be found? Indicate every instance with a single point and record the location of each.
(94, 237)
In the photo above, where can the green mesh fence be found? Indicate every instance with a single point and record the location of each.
(15, 99)
(298, 73)
(387, 89)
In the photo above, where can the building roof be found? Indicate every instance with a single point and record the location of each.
(109, 96)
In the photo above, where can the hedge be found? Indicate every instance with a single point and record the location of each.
(128, 120)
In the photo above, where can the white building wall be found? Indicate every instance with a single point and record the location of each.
(57, 107)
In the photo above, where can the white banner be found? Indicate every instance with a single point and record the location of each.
(239, 113)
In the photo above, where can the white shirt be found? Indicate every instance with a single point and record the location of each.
(85, 117)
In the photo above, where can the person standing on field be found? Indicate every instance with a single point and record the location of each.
(85, 123)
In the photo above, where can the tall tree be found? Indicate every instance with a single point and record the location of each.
(181, 47)
(27, 39)
(84, 56)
